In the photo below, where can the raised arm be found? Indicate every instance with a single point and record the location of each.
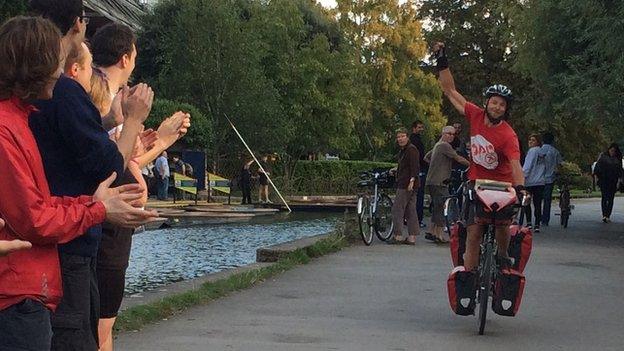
(445, 78)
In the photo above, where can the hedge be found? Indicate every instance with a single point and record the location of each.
(571, 173)
(326, 177)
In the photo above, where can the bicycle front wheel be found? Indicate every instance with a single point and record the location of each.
(565, 216)
(485, 282)
(383, 218)
(365, 219)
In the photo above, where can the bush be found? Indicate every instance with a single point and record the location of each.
(571, 173)
(200, 135)
(326, 177)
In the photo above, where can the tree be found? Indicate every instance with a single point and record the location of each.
(387, 37)
(480, 39)
(314, 74)
(200, 135)
(576, 66)
(206, 56)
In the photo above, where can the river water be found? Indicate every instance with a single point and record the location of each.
(160, 257)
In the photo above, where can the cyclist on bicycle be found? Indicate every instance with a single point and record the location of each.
(495, 151)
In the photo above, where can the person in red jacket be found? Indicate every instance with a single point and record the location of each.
(30, 282)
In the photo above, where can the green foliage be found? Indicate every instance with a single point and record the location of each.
(326, 177)
(479, 38)
(208, 57)
(571, 174)
(200, 135)
(314, 75)
(278, 69)
(387, 38)
(10, 8)
(567, 48)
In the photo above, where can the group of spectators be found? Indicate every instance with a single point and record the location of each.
(157, 175)
(434, 168)
(72, 147)
(540, 167)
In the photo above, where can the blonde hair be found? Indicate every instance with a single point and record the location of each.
(77, 54)
(100, 93)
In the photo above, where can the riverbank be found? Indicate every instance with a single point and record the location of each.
(150, 307)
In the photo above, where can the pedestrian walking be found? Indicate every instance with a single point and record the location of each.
(534, 170)
(552, 161)
(609, 172)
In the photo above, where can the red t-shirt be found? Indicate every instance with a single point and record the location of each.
(492, 148)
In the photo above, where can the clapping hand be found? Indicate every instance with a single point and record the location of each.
(8, 246)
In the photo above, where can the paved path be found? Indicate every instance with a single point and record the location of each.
(394, 298)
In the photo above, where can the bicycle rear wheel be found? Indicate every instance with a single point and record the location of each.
(383, 218)
(365, 219)
(485, 282)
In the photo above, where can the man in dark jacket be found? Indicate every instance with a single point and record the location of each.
(404, 207)
(415, 138)
(77, 155)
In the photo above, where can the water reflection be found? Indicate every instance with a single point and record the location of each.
(170, 255)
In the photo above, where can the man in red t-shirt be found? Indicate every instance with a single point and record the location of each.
(494, 149)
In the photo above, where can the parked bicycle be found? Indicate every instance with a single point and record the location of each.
(374, 206)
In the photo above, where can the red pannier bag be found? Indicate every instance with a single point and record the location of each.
(508, 290)
(461, 286)
(457, 239)
(520, 245)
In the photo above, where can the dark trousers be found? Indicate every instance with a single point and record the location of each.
(246, 188)
(25, 326)
(608, 196)
(548, 190)
(537, 194)
(75, 322)
(163, 188)
(420, 198)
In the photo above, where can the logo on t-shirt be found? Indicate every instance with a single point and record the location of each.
(483, 152)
